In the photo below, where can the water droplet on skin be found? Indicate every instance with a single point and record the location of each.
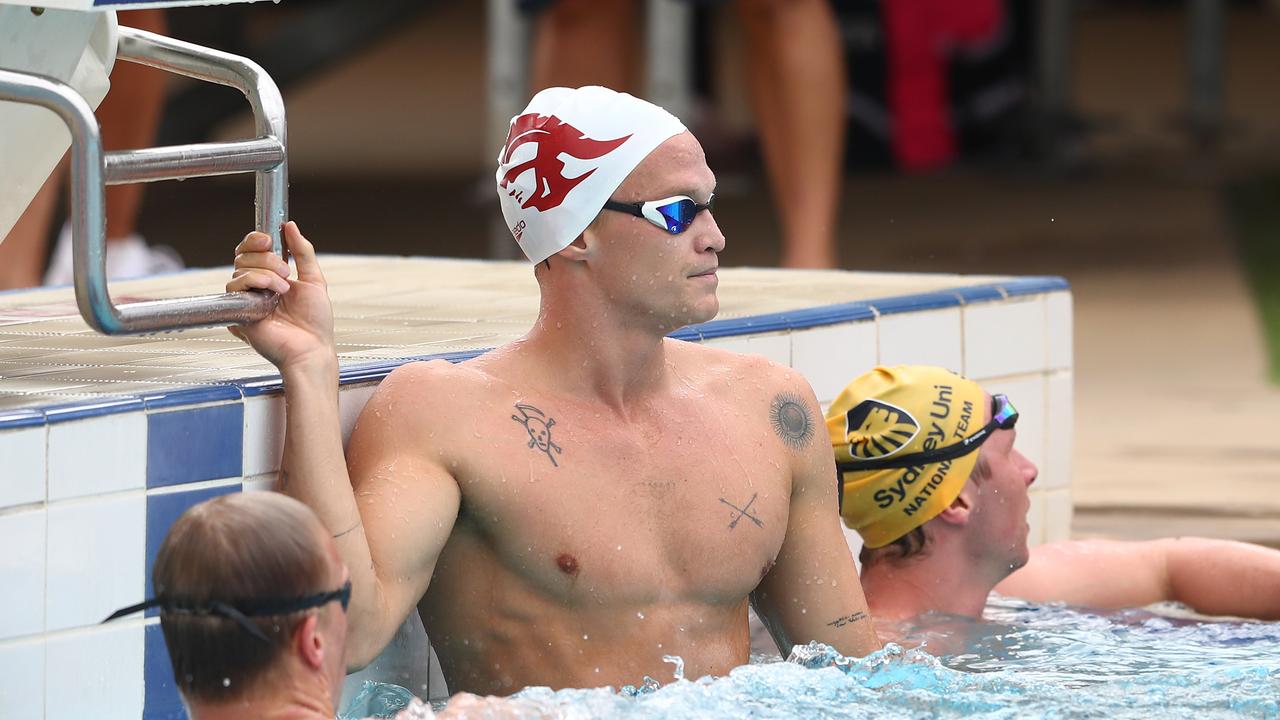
(584, 636)
(641, 616)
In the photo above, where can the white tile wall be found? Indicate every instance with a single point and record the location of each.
(1060, 432)
(1027, 393)
(96, 674)
(1059, 326)
(932, 337)
(775, 346)
(1057, 515)
(23, 453)
(22, 679)
(351, 400)
(96, 559)
(829, 357)
(99, 455)
(1004, 338)
(263, 434)
(22, 563)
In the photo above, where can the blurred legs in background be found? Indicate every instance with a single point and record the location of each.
(22, 254)
(797, 82)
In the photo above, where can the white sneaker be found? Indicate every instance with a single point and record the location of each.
(128, 257)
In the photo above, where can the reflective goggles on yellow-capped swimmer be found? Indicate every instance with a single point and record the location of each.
(1003, 417)
(674, 214)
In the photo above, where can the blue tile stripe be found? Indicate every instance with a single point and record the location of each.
(365, 372)
(161, 700)
(205, 443)
(163, 509)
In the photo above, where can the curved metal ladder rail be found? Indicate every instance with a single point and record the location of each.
(92, 170)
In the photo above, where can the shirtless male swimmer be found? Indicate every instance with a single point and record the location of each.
(567, 509)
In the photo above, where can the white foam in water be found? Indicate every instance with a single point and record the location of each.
(1024, 661)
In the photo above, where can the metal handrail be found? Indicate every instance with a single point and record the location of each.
(92, 170)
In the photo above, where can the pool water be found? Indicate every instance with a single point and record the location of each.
(1024, 660)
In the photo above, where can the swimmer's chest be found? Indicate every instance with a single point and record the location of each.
(679, 506)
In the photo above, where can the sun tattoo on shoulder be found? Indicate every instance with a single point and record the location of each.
(791, 420)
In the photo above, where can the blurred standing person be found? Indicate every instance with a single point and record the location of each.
(129, 116)
(797, 79)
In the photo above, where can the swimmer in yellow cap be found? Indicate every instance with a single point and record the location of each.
(930, 478)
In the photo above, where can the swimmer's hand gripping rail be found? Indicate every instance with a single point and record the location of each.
(92, 170)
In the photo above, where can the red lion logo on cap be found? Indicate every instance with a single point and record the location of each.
(554, 137)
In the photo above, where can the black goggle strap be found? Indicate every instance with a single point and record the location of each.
(214, 607)
(241, 615)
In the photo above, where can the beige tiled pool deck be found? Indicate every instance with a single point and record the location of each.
(385, 308)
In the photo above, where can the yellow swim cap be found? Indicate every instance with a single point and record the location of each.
(895, 412)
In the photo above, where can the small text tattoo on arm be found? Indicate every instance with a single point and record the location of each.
(791, 420)
(842, 621)
(743, 512)
(538, 425)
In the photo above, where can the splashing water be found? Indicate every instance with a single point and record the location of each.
(678, 662)
(1023, 661)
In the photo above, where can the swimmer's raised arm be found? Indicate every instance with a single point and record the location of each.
(1215, 577)
(298, 339)
(812, 592)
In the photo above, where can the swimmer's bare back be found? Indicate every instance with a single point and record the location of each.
(590, 543)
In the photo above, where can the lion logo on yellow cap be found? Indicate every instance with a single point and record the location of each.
(876, 429)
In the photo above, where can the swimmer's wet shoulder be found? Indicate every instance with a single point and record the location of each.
(812, 591)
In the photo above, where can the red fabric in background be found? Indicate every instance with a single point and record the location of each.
(919, 37)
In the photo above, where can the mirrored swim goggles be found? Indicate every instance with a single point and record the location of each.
(1003, 417)
(242, 611)
(674, 214)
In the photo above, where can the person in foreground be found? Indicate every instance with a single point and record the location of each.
(568, 509)
(252, 595)
(930, 478)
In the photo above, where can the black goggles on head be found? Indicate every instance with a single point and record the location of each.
(1003, 417)
(240, 612)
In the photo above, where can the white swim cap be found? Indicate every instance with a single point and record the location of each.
(566, 154)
